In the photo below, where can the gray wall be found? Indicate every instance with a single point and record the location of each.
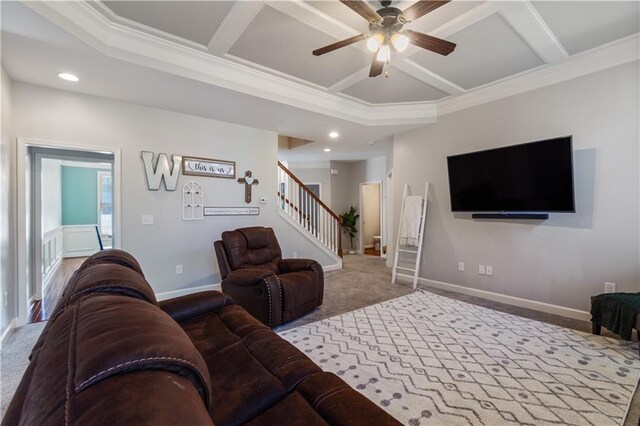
(566, 259)
(7, 212)
(67, 117)
(345, 187)
(321, 176)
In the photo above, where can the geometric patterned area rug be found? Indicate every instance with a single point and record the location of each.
(429, 359)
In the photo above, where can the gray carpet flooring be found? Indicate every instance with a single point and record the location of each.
(14, 359)
(363, 281)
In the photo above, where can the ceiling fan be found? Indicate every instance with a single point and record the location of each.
(385, 26)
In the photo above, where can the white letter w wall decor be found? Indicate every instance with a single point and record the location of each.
(161, 170)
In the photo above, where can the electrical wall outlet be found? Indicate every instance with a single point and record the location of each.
(489, 270)
(481, 269)
(147, 219)
(461, 266)
(178, 269)
(609, 287)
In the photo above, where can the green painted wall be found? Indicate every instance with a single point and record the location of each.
(79, 195)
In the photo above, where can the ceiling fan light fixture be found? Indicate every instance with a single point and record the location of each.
(400, 41)
(384, 54)
(374, 42)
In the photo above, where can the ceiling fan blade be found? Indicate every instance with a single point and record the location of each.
(421, 8)
(363, 9)
(339, 44)
(428, 42)
(376, 67)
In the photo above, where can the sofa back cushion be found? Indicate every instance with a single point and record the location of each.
(100, 277)
(254, 247)
(107, 339)
(113, 256)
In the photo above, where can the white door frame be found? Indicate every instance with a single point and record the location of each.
(22, 207)
(361, 219)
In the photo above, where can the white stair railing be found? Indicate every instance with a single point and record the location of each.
(304, 207)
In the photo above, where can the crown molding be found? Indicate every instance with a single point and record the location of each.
(123, 42)
(600, 58)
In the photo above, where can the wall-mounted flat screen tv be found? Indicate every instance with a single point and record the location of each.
(530, 177)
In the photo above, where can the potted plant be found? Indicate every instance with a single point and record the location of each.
(349, 221)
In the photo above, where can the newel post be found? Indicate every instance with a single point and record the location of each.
(340, 236)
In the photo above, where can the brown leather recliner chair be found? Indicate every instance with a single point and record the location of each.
(272, 289)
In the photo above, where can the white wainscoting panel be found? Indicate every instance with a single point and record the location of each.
(51, 254)
(80, 240)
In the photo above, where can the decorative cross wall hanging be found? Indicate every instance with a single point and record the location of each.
(248, 180)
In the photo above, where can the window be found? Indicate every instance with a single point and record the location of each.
(105, 205)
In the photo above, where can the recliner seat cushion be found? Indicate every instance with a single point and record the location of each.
(251, 367)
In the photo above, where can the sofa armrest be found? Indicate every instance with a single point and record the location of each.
(247, 277)
(258, 291)
(190, 306)
(295, 265)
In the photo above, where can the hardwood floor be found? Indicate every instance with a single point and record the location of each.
(39, 310)
(372, 251)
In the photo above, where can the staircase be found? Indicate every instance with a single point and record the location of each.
(305, 208)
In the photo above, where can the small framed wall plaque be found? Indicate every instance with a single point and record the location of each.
(197, 166)
(231, 211)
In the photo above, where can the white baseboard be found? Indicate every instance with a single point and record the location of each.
(335, 267)
(184, 291)
(79, 253)
(509, 300)
(7, 331)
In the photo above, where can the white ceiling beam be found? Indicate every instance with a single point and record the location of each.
(355, 78)
(527, 22)
(314, 18)
(470, 17)
(421, 73)
(233, 25)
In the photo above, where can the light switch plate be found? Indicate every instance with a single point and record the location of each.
(489, 270)
(481, 269)
(147, 219)
(461, 266)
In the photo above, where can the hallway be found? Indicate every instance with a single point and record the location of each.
(40, 310)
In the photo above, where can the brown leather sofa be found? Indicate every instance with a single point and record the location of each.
(272, 289)
(111, 354)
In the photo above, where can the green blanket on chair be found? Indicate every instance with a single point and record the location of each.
(616, 311)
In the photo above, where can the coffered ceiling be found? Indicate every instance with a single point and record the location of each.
(262, 50)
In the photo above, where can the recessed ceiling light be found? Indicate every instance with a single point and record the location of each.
(327, 150)
(68, 77)
(334, 135)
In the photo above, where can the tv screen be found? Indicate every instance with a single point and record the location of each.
(531, 177)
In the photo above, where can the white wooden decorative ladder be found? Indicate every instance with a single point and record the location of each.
(417, 251)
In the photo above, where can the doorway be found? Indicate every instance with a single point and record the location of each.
(371, 218)
(71, 210)
(68, 208)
